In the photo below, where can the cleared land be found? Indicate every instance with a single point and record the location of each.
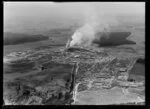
(101, 72)
(104, 97)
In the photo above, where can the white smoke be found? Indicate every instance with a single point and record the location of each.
(87, 33)
(83, 35)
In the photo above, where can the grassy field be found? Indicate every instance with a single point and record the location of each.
(18, 67)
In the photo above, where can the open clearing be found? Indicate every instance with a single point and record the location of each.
(105, 97)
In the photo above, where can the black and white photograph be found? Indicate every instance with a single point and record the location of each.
(73, 53)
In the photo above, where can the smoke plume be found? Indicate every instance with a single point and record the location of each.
(94, 23)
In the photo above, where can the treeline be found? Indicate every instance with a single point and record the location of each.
(140, 60)
(19, 38)
(113, 39)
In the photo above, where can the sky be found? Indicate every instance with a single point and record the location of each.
(29, 16)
